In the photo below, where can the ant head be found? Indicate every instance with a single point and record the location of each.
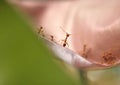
(68, 34)
(41, 27)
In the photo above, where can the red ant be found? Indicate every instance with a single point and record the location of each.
(65, 40)
(85, 51)
(52, 37)
(108, 58)
(40, 31)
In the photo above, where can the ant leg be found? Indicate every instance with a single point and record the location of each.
(67, 44)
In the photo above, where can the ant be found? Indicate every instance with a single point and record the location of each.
(65, 40)
(40, 31)
(52, 37)
(85, 51)
(108, 58)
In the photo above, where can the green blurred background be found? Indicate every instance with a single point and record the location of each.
(24, 60)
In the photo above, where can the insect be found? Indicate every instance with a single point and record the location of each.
(40, 31)
(52, 37)
(65, 40)
(108, 58)
(85, 51)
